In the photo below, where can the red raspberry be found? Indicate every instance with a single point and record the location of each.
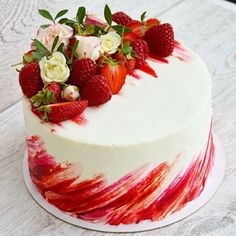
(160, 39)
(30, 80)
(82, 71)
(121, 18)
(141, 48)
(96, 91)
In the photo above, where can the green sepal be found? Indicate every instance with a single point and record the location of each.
(126, 49)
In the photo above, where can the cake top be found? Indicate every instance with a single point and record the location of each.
(80, 62)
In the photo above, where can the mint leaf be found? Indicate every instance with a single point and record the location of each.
(107, 14)
(63, 21)
(80, 15)
(40, 47)
(55, 43)
(44, 26)
(143, 16)
(38, 55)
(45, 14)
(61, 13)
(60, 48)
(121, 29)
(126, 49)
(74, 47)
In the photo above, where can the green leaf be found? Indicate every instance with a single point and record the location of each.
(107, 14)
(38, 55)
(143, 16)
(54, 43)
(61, 13)
(89, 30)
(70, 21)
(40, 47)
(60, 48)
(63, 20)
(81, 14)
(121, 28)
(45, 14)
(74, 47)
(44, 26)
(126, 49)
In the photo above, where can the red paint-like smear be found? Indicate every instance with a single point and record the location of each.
(134, 74)
(80, 120)
(181, 53)
(148, 69)
(155, 58)
(136, 197)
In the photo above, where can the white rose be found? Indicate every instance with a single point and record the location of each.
(54, 68)
(110, 42)
(47, 35)
(88, 47)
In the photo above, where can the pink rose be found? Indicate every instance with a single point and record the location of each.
(47, 35)
(89, 47)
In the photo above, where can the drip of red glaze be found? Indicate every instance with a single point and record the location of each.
(180, 52)
(53, 130)
(134, 74)
(148, 69)
(80, 120)
(155, 58)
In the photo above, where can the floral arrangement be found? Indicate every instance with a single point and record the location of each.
(75, 63)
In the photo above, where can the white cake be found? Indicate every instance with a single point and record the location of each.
(155, 128)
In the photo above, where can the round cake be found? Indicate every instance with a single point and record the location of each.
(143, 153)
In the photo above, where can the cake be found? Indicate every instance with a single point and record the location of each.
(118, 117)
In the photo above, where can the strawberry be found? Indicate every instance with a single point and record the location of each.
(137, 27)
(50, 94)
(30, 80)
(82, 70)
(129, 63)
(141, 48)
(130, 36)
(63, 111)
(115, 75)
(160, 39)
(152, 22)
(121, 18)
(96, 91)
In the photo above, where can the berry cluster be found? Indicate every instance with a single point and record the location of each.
(88, 62)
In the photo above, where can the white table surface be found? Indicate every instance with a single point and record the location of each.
(208, 27)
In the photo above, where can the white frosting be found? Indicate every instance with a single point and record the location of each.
(152, 120)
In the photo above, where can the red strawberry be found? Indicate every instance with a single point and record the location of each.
(129, 63)
(30, 80)
(55, 88)
(96, 91)
(115, 75)
(121, 18)
(82, 71)
(63, 111)
(160, 39)
(130, 36)
(141, 48)
(137, 27)
(50, 94)
(152, 22)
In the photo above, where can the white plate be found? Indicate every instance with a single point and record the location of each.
(212, 184)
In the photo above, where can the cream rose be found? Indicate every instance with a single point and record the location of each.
(54, 68)
(110, 42)
(88, 47)
(47, 35)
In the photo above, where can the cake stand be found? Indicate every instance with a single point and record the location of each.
(212, 184)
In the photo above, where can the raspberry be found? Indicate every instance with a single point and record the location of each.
(121, 18)
(160, 39)
(96, 91)
(141, 48)
(82, 71)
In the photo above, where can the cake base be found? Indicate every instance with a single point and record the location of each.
(212, 184)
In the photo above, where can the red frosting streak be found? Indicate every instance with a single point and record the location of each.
(137, 196)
